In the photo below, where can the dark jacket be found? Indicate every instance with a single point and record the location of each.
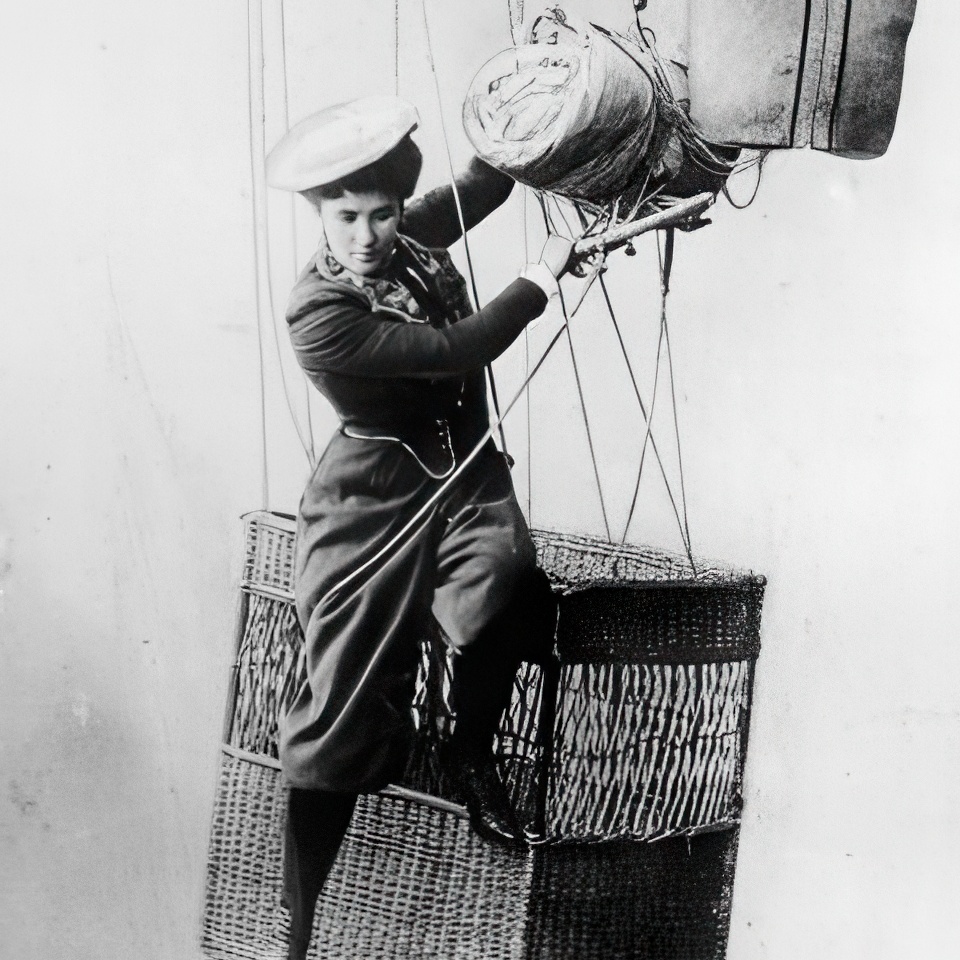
(402, 356)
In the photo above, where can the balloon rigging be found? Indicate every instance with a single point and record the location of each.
(586, 119)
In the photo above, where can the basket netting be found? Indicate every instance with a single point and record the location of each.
(650, 701)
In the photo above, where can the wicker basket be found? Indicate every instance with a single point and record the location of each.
(640, 735)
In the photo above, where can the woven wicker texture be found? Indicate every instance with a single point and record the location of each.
(265, 672)
(417, 882)
(639, 735)
(647, 751)
(411, 881)
(668, 900)
(268, 566)
(389, 895)
(244, 866)
(577, 562)
(644, 746)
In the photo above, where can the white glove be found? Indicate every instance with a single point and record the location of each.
(554, 260)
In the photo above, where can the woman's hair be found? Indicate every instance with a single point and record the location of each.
(395, 173)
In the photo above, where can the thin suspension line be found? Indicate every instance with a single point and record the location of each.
(666, 265)
(463, 226)
(265, 482)
(396, 47)
(515, 16)
(586, 420)
(643, 412)
(312, 453)
(305, 441)
(548, 223)
(647, 433)
(515, 13)
(665, 259)
(526, 371)
(663, 341)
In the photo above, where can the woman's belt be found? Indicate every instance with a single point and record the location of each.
(430, 443)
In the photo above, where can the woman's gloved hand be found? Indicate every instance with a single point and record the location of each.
(557, 255)
(556, 258)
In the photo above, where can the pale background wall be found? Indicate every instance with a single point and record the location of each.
(816, 343)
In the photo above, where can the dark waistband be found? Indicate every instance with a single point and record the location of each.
(437, 444)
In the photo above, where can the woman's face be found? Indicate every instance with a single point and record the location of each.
(361, 230)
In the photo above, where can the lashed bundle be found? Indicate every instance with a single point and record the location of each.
(588, 114)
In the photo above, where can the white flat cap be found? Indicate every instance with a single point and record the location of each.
(338, 141)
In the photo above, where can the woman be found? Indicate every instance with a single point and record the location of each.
(381, 323)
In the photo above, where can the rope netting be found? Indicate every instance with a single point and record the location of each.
(645, 733)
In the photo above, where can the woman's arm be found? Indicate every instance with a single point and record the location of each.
(337, 335)
(432, 219)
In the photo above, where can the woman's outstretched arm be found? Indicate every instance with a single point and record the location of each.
(432, 219)
(341, 335)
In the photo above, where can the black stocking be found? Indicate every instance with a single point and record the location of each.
(316, 824)
(484, 673)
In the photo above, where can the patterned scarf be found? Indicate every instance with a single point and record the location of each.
(421, 285)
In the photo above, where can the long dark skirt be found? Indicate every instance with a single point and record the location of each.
(350, 726)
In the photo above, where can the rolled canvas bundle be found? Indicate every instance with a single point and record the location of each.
(589, 114)
(592, 114)
(639, 735)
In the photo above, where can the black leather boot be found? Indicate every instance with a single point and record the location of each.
(483, 681)
(484, 795)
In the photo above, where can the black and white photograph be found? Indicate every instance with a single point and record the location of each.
(478, 480)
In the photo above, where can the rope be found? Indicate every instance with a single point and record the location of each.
(515, 12)
(450, 480)
(396, 47)
(757, 162)
(463, 226)
(311, 453)
(586, 420)
(647, 433)
(666, 263)
(306, 440)
(265, 481)
(666, 266)
(526, 371)
(576, 376)
(643, 411)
